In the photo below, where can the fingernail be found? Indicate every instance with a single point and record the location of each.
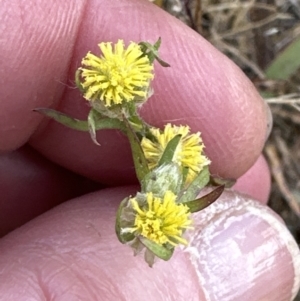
(269, 120)
(241, 250)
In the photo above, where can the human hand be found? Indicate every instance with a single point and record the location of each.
(71, 252)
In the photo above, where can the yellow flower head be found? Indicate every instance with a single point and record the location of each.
(119, 75)
(161, 220)
(189, 152)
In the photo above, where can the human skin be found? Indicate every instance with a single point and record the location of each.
(71, 252)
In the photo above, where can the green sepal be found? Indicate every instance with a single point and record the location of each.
(168, 154)
(158, 250)
(123, 237)
(205, 201)
(78, 81)
(81, 125)
(215, 181)
(197, 184)
(152, 52)
(139, 160)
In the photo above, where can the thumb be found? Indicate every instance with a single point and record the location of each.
(239, 250)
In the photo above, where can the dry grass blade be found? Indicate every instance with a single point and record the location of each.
(278, 175)
(293, 98)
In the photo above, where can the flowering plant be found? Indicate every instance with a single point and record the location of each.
(170, 163)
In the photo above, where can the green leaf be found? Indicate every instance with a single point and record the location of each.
(159, 250)
(123, 237)
(81, 125)
(215, 181)
(109, 124)
(156, 47)
(168, 154)
(205, 201)
(193, 189)
(286, 63)
(161, 62)
(152, 52)
(73, 123)
(140, 162)
(157, 44)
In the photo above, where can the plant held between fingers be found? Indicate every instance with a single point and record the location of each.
(170, 163)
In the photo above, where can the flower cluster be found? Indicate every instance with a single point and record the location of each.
(170, 163)
(188, 154)
(160, 220)
(119, 75)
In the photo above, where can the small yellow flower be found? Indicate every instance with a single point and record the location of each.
(161, 220)
(119, 75)
(189, 152)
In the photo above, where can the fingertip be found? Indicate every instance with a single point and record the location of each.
(243, 251)
(256, 182)
(37, 39)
